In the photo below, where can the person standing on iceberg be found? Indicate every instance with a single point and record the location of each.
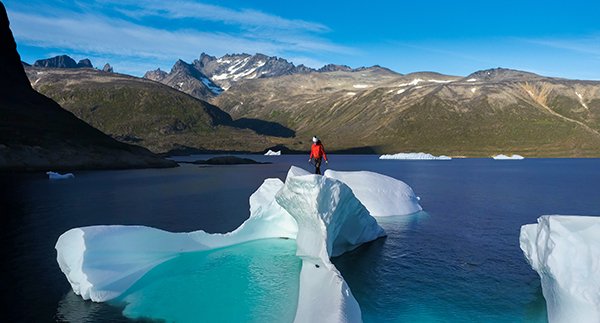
(318, 153)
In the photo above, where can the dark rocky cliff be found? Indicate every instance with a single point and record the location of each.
(37, 134)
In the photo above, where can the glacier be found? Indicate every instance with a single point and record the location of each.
(565, 252)
(325, 215)
(506, 157)
(414, 156)
(55, 175)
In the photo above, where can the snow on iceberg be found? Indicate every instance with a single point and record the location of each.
(414, 156)
(325, 215)
(505, 157)
(54, 175)
(565, 251)
(273, 153)
(296, 171)
(381, 195)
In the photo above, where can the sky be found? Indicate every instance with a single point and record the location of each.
(552, 38)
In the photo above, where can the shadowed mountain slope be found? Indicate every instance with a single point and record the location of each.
(37, 134)
(151, 114)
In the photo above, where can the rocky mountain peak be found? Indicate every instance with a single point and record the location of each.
(107, 68)
(242, 55)
(157, 75)
(203, 60)
(63, 61)
(85, 63)
(304, 69)
(502, 74)
(187, 78)
(335, 68)
(181, 66)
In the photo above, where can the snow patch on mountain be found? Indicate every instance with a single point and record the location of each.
(581, 100)
(211, 86)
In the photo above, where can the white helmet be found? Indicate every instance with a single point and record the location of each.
(315, 139)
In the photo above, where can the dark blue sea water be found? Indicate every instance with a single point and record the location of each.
(457, 262)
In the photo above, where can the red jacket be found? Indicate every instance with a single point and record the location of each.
(317, 151)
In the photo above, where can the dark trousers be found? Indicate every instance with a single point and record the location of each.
(318, 166)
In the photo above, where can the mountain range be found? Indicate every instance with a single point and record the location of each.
(142, 112)
(367, 109)
(487, 112)
(208, 76)
(186, 78)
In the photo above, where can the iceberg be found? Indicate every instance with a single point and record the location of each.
(505, 157)
(414, 156)
(296, 171)
(54, 175)
(381, 195)
(331, 221)
(134, 250)
(565, 252)
(273, 153)
(325, 215)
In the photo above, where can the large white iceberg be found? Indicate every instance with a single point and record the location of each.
(414, 156)
(380, 194)
(506, 157)
(134, 250)
(326, 215)
(565, 251)
(273, 153)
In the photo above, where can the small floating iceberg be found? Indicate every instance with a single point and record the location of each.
(565, 251)
(325, 215)
(273, 153)
(414, 156)
(505, 157)
(54, 175)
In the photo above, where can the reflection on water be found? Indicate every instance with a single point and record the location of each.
(72, 308)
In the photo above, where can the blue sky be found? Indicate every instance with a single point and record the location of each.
(554, 38)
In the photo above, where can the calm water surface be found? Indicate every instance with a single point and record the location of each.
(458, 262)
